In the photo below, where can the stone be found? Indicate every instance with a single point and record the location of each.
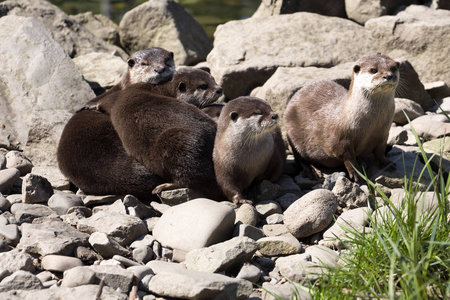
(279, 245)
(397, 135)
(16, 260)
(406, 107)
(78, 276)
(7, 178)
(26, 213)
(299, 267)
(52, 236)
(53, 174)
(159, 207)
(106, 246)
(10, 233)
(191, 284)
(145, 240)
(284, 291)
(264, 191)
(221, 256)
(92, 200)
(311, 213)
(57, 86)
(304, 182)
(323, 256)
(288, 185)
(165, 24)
(138, 209)
(141, 271)
(159, 266)
(115, 277)
(275, 230)
(177, 196)
(438, 90)
(275, 219)
(322, 7)
(36, 189)
(267, 208)
(100, 26)
(247, 230)
(60, 263)
(349, 194)
(87, 255)
(16, 159)
(249, 272)
(20, 280)
(181, 228)
(124, 229)
(413, 34)
(287, 199)
(430, 126)
(60, 202)
(143, 254)
(247, 214)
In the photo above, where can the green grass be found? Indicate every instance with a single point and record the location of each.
(405, 255)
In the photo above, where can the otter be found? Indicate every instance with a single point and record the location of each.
(330, 126)
(248, 146)
(153, 66)
(91, 155)
(213, 110)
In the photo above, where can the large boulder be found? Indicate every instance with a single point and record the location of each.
(73, 37)
(100, 26)
(417, 34)
(165, 24)
(334, 8)
(37, 78)
(247, 52)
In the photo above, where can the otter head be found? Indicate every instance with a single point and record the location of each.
(376, 73)
(154, 65)
(248, 117)
(196, 87)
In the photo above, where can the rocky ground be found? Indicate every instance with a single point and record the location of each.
(56, 243)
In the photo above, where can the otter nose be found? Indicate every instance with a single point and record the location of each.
(219, 91)
(159, 69)
(275, 117)
(389, 77)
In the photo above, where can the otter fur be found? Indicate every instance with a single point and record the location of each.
(330, 126)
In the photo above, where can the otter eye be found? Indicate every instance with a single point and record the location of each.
(202, 87)
(144, 64)
(373, 71)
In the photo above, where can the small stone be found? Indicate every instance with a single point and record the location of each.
(145, 240)
(117, 207)
(304, 182)
(287, 199)
(348, 194)
(91, 200)
(284, 291)
(26, 213)
(298, 267)
(54, 175)
(323, 256)
(151, 223)
(275, 219)
(159, 266)
(36, 189)
(438, 90)
(247, 214)
(330, 180)
(60, 263)
(115, 277)
(279, 245)
(141, 271)
(138, 209)
(267, 208)
(105, 246)
(44, 276)
(78, 276)
(406, 108)
(275, 230)
(397, 136)
(87, 255)
(143, 254)
(16, 159)
(159, 207)
(249, 272)
(10, 233)
(60, 202)
(7, 178)
(288, 185)
(248, 230)
(14, 198)
(5, 205)
(265, 191)
(125, 261)
(178, 196)
(20, 280)
(15, 260)
(4, 247)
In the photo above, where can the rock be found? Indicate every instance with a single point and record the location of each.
(414, 34)
(311, 213)
(410, 108)
(26, 213)
(304, 182)
(78, 276)
(105, 246)
(159, 266)
(331, 179)
(279, 245)
(249, 231)
(16, 260)
(430, 126)
(146, 240)
(16, 159)
(444, 106)
(267, 208)
(60, 263)
(57, 86)
(323, 256)
(165, 24)
(122, 228)
(5, 205)
(101, 70)
(287, 199)
(159, 207)
(36, 189)
(143, 254)
(177, 196)
(275, 230)
(10, 233)
(180, 228)
(247, 52)
(20, 280)
(190, 284)
(100, 26)
(285, 291)
(92, 200)
(298, 267)
(397, 135)
(349, 194)
(52, 236)
(7, 178)
(288, 185)
(138, 209)
(125, 261)
(438, 90)
(275, 219)
(114, 277)
(361, 11)
(87, 255)
(249, 272)
(247, 214)
(264, 191)
(221, 256)
(323, 7)
(60, 202)
(53, 174)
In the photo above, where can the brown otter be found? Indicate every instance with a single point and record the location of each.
(91, 155)
(248, 146)
(213, 110)
(330, 126)
(153, 66)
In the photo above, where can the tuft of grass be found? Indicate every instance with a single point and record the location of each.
(405, 255)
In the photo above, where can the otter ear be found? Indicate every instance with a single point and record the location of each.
(182, 87)
(234, 116)
(356, 68)
(398, 65)
(171, 55)
(131, 62)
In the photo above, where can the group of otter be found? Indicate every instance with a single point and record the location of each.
(158, 130)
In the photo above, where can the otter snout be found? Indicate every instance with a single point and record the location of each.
(390, 77)
(275, 116)
(160, 69)
(219, 91)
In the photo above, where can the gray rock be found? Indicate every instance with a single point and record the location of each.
(267, 208)
(137, 208)
(287, 199)
(159, 207)
(246, 214)
(10, 233)
(52, 236)
(7, 178)
(275, 230)
(105, 246)
(190, 284)
(26, 213)
(279, 245)
(60, 202)
(124, 261)
(249, 272)
(285, 291)
(430, 126)
(122, 228)
(424, 26)
(264, 191)
(221, 256)
(52, 173)
(44, 276)
(349, 194)
(249, 231)
(87, 255)
(323, 256)
(299, 267)
(159, 266)
(92, 200)
(311, 213)
(177, 196)
(165, 24)
(247, 52)
(57, 86)
(180, 228)
(60, 263)
(274, 219)
(16, 159)
(115, 277)
(145, 240)
(143, 254)
(100, 26)
(16, 260)
(397, 135)
(78, 276)
(141, 271)
(288, 185)
(322, 7)
(36, 189)
(362, 11)
(438, 90)
(20, 280)
(410, 108)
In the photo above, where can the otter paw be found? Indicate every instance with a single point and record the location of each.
(164, 187)
(239, 200)
(387, 165)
